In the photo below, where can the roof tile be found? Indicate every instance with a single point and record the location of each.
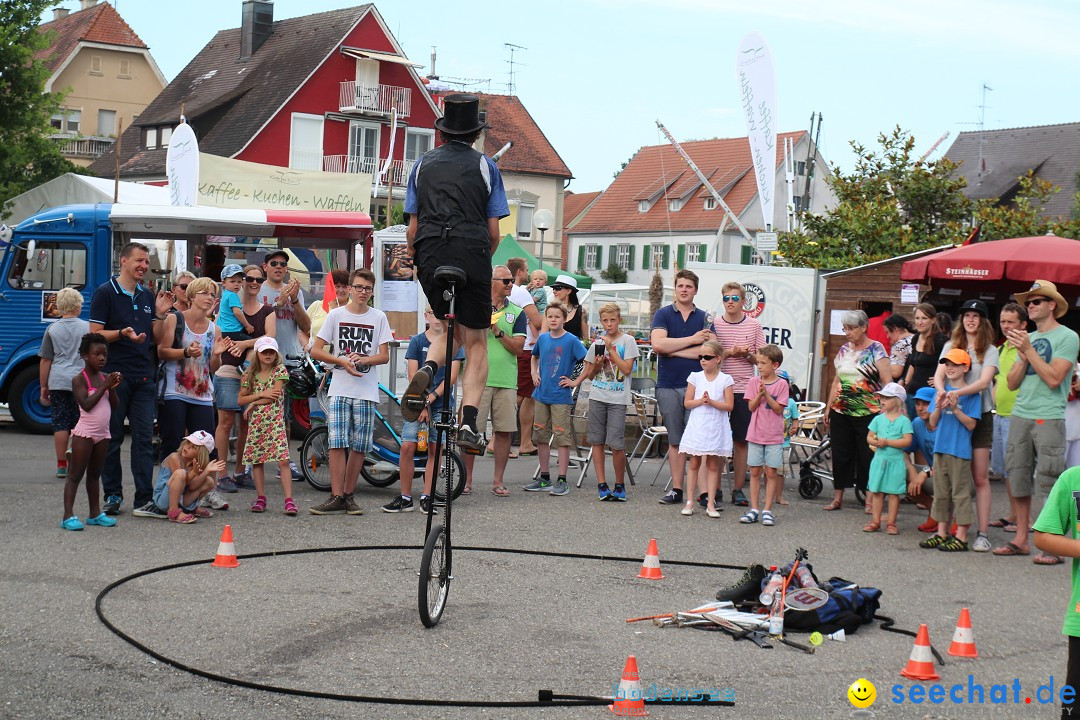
(532, 152)
(100, 23)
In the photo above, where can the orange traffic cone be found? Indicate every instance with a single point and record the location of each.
(650, 569)
(628, 700)
(226, 551)
(920, 665)
(963, 639)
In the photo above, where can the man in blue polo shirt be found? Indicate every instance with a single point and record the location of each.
(123, 311)
(678, 331)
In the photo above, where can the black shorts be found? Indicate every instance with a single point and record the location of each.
(473, 305)
(740, 418)
(65, 410)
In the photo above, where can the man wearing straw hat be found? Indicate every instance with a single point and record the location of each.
(1041, 374)
(454, 201)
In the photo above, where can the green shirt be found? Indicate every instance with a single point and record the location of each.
(1035, 400)
(1004, 398)
(503, 365)
(1059, 517)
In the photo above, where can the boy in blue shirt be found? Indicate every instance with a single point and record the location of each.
(231, 319)
(953, 417)
(554, 356)
(922, 450)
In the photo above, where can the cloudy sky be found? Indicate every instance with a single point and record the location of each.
(596, 74)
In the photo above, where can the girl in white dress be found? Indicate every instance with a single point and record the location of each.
(710, 396)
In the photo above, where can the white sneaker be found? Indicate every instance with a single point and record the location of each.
(214, 501)
(981, 544)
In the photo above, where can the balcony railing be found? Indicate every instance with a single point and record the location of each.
(82, 147)
(398, 172)
(379, 99)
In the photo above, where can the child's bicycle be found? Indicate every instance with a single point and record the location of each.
(381, 465)
(434, 586)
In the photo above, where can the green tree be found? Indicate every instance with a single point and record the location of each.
(614, 273)
(27, 156)
(1023, 215)
(889, 205)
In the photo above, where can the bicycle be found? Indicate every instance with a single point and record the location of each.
(435, 563)
(382, 465)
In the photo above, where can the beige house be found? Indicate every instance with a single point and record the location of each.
(107, 73)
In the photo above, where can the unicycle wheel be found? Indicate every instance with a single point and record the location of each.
(434, 577)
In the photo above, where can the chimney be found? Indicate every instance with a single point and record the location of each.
(86, 4)
(257, 24)
(60, 13)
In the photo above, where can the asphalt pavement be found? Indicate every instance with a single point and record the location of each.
(346, 621)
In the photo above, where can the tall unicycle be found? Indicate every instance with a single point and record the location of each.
(435, 563)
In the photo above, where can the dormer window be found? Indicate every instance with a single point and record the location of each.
(710, 203)
(151, 142)
(675, 205)
(643, 206)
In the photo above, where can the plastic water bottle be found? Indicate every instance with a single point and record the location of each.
(421, 439)
(772, 587)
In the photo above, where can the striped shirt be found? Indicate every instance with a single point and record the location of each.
(745, 333)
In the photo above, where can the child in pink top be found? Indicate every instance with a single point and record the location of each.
(90, 437)
(767, 396)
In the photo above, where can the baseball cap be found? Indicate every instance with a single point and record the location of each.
(956, 356)
(266, 343)
(202, 439)
(275, 253)
(230, 270)
(926, 394)
(893, 390)
(975, 306)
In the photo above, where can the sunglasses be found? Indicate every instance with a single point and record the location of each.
(706, 357)
(557, 288)
(732, 298)
(253, 279)
(362, 288)
(1036, 301)
(183, 286)
(506, 281)
(278, 263)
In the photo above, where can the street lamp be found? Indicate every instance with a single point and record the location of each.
(543, 220)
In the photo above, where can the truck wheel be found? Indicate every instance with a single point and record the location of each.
(24, 400)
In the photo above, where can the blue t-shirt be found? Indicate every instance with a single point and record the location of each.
(226, 320)
(923, 440)
(557, 359)
(791, 414)
(952, 437)
(497, 205)
(418, 349)
(671, 372)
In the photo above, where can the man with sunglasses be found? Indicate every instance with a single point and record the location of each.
(1041, 375)
(288, 301)
(454, 201)
(678, 332)
(741, 336)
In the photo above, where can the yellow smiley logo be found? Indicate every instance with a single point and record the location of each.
(862, 693)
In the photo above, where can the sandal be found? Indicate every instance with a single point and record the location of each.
(767, 518)
(834, 505)
(467, 490)
(1044, 559)
(871, 527)
(501, 491)
(953, 544)
(202, 512)
(181, 517)
(1009, 549)
(1001, 523)
(749, 517)
(259, 505)
(290, 507)
(1010, 528)
(891, 529)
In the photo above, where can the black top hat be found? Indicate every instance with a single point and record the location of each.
(461, 115)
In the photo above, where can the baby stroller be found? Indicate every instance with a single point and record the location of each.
(816, 468)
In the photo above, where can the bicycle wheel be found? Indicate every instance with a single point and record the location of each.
(379, 473)
(315, 458)
(434, 577)
(458, 481)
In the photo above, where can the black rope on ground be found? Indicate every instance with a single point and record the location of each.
(546, 698)
(887, 624)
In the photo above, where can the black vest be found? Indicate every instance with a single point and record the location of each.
(451, 195)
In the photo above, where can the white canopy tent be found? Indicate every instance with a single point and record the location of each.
(72, 189)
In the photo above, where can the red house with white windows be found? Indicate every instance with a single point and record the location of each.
(317, 92)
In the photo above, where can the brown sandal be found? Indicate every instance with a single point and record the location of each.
(834, 505)
(871, 527)
(891, 529)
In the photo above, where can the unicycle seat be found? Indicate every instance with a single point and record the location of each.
(450, 275)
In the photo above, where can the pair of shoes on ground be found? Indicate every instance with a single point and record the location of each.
(557, 487)
(101, 520)
(606, 494)
(875, 525)
(401, 504)
(944, 544)
(337, 505)
(750, 517)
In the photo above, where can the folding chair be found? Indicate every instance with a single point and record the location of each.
(651, 435)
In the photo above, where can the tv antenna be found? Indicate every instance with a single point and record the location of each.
(982, 126)
(511, 86)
